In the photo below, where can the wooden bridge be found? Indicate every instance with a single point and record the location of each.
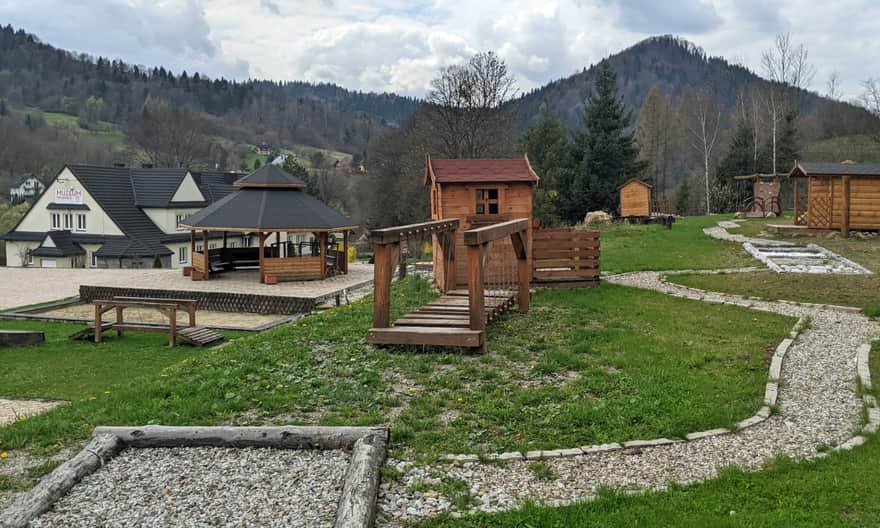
(458, 317)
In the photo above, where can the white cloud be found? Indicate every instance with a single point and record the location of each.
(399, 45)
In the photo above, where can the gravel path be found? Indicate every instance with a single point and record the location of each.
(818, 407)
(720, 232)
(195, 487)
(11, 410)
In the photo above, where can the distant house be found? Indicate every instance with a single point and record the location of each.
(263, 149)
(115, 217)
(27, 187)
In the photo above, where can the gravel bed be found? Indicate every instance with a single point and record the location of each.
(203, 486)
(818, 408)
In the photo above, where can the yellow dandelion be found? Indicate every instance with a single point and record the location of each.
(4, 455)
(106, 392)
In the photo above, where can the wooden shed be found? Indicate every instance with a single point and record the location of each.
(478, 192)
(840, 196)
(635, 199)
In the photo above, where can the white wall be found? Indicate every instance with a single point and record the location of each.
(166, 219)
(16, 250)
(188, 191)
(38, 219)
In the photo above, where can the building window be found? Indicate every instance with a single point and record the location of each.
(181, 255)
(81, 222)
(56, 220)
(30, 256)
(68, 221)
(212, 245)
(487, 201)
(198, 248)
(181, 218)
(94, 260)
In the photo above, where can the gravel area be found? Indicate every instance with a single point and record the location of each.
(142, 315)
(11, 410)
(720, 233)
(818, 407)
(195, 487)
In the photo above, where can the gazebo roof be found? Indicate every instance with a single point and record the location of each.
(271, 176)
(269, 209)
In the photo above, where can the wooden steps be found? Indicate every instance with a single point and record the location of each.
(424, 335)
(88, 333)
(199, 335)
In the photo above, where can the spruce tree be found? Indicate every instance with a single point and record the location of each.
(607, 153)
(548, 146)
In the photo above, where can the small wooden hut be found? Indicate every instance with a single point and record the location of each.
(635, 199)
(270, 201)
(478, 192)
(840, 196)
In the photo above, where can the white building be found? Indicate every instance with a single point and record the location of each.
(27, 187)
(115, 217)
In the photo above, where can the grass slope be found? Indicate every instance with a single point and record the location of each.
(860, 148)
(840, 490)
(652, 247)
(585, 366)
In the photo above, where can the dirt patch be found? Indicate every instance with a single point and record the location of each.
(13, 410)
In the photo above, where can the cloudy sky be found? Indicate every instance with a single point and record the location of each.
(398, 45)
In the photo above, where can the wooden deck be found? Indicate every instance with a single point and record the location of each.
(445, 321)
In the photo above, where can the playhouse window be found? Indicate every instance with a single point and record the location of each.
(487, 201)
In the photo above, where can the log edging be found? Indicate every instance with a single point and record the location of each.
(360, 489)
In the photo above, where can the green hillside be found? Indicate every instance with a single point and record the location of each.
(861, 148)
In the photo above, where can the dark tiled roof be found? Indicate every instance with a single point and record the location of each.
(79, 238)
(216, 185)
(838, 169)
(268, 176)
(68, 207)
(155, 187)
(64, 246)
(482, 170)
(260, 208)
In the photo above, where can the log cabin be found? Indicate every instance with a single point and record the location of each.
(840, 196)
(478, 192)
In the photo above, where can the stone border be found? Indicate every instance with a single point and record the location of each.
(357, 506)
(752, 250)
(771, 392)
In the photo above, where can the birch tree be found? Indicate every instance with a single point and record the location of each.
(702, 121)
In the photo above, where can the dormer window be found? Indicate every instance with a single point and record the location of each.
(180, 219)
(487, 202)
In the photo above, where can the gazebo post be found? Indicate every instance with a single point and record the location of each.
(278, 243)
(345, 252)
(207, 257)
(224, 247)
(262, 245)
(323, 254)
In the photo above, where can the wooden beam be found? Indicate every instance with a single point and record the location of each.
(523, 271)
(797, 198)
(844, 222)
(476, 286)
(394, 234)
(207, 256)
(492, 232)
(384, 258)
(322, 237)
(447, 256)
(262, 245)
(345, 252)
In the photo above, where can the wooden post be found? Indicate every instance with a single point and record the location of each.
(447, 246)
(119, 320)
(523, 277)
(345, 252)
(323, 243)
(797, 200)
(278, 243)
(476, 286)
(384, 256)
(172, 327)
(205, 253)
(191, 310)
(844, 222)
(98, 323)
(192, 244)
(262, 245)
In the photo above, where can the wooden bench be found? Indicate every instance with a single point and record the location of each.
(168, 307)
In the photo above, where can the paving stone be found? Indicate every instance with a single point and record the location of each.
(706, 434)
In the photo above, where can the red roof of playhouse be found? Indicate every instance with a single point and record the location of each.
(479, 170)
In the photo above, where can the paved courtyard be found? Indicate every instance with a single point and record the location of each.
(27, 286)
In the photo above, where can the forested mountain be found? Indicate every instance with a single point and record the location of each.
(37, 75)
(673, 64)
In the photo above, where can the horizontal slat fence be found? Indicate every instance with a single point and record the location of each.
(565, 257)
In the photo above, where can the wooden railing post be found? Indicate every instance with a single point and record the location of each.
(385, 258)
(523, 271)
(447, 246)
(476, 286)
(844, 221)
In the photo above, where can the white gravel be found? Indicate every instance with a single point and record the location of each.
(818, 405)
(195, 487)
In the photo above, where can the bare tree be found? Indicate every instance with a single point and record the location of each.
(171, 137)
(702, 120)
(833, 86)
(467, 107)
(788, 68)
(871, 100)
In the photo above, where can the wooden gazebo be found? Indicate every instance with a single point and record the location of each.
(270, 200)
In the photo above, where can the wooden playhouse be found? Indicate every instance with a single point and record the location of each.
(840, 196)
(635, 199)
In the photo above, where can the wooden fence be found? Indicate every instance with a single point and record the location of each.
(565, 257)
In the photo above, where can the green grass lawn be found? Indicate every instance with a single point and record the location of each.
(861, 291)
(652, 247)
(585, 366)
(840, 490)
(76, 370)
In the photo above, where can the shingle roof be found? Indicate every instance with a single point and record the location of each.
(64, 246)
(216, 185)
(270, 176)
(480, 170)
(838, 169)
(261, 208)
(155, 187)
